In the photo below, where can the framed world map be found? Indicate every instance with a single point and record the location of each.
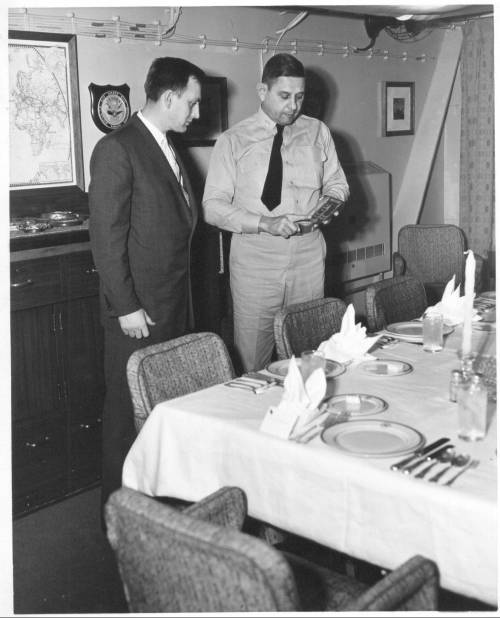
(44, 112)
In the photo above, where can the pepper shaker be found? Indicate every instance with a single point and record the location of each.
(455, 383)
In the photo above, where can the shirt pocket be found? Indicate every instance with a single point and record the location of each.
(308, 166)
(252, 171)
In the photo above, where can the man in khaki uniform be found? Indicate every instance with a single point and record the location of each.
(267, 172)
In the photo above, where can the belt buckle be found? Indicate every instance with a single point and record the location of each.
(305, 226)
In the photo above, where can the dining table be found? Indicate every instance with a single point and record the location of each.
(350, 501)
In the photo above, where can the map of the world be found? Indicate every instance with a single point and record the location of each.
(41, 147)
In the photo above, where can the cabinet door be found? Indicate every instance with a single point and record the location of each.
(39, 464)
(82, 349)
(39, 430)
(37, 387)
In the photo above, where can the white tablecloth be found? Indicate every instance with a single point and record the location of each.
(195, 444)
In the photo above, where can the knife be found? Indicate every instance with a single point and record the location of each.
(257, 375)
(418, 453)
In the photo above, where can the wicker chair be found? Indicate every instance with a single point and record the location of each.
(173, 368)
(433, 254)
(394, 300)
(198, 560)
(303, 326)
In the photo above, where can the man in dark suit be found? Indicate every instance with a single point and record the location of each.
(142, 219)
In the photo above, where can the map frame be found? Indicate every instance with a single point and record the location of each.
(50, 190)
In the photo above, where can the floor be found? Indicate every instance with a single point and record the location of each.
(63, 563)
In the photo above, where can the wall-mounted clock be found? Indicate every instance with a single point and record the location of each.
(110, 106)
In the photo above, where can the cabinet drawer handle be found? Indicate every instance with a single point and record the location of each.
(22, 284)
(91, 271)
(44, 440)
(90, 425)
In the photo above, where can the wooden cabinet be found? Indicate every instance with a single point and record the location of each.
(57, 378)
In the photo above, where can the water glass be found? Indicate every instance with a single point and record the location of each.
(433, 331)
(310, 360)
(472, 411)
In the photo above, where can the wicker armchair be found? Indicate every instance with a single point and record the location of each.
(198, 560)
(394, 300)
(173, 368)
(303, 326)
(433, 254)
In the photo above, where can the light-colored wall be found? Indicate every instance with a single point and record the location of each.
(353, 109)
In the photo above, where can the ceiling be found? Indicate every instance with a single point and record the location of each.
(429, 11)
(401, 21)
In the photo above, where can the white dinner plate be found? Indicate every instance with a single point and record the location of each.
(373, 438)
(412, 331)
(381, 367)
(280, 368)
(356, 404)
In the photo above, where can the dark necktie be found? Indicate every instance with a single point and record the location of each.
(271, 193)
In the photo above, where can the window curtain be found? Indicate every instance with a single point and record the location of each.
(477, 167)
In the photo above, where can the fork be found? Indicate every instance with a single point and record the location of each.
(459, 461)
(474, 463)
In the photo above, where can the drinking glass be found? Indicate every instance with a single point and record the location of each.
(310, 360)
(433, 331)
(472, 412)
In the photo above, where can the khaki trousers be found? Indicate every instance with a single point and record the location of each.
(267, 273)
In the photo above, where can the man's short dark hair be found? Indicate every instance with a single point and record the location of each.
(170, 74)
(282, 65)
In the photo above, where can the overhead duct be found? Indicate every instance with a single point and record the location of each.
(397, 29)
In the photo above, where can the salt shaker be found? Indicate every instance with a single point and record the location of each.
(455, 383)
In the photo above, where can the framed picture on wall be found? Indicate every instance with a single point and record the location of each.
(44, 112)
(213, 114)
(398, 108)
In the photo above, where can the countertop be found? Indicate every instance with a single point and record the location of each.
(52, 237)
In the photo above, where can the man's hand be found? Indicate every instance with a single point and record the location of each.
(280, 226)
(136, 324)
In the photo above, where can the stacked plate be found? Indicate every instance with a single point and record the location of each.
(62, 218)
(355, 404)
(411, 331)
(280, 368)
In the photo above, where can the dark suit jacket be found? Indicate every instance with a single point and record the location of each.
(141, 229)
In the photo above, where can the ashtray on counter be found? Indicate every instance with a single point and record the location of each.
(31, 226)
(62, 218)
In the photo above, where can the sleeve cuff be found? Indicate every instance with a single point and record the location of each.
(250, 223)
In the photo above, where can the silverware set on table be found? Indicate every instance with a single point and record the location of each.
(255, 382)
(439, 457)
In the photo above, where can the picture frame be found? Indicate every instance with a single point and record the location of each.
(213, 114)
(46, 156)
(398, 108)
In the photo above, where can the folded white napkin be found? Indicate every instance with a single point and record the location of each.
(452, 305)
(299, 404)
(351, 343)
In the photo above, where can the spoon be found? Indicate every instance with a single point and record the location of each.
(458, 461)
(443, 457)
